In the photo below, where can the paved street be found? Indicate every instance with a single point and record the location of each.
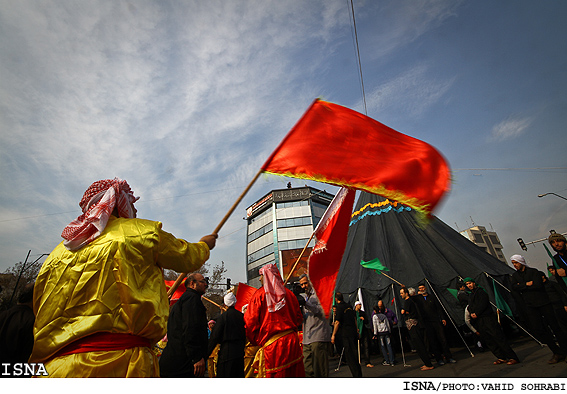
(533, 363)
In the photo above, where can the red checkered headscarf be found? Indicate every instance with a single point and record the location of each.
(97, 204)
(273, 287)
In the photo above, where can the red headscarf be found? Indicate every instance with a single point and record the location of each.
(273, 287)
(97, 204)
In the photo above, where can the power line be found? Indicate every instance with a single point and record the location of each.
(140, 201)
(37, 216)
(355, 38)
(222, 190)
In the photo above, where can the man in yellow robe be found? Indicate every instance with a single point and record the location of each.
(100, 299)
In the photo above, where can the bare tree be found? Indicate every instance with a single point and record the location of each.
(217, 281)
(15, 278)
(216, 291)
(213, 298)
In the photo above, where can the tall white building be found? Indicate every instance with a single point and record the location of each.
(487, 240)
(279, 226)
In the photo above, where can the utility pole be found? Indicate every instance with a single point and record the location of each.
(524, 245)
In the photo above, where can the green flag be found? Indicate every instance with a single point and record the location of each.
(454, 292)
(553, 263)
(548, 252)
(552, 259)
(374, 264)
(500, 302)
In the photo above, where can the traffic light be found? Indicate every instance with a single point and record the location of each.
(522, 244)
(228, 283)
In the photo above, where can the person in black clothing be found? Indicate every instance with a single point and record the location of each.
(486, 323)
(346, 320)
(186, 350)
(527, 281)
(462, 294)
(338, 344)
(434, 324)
(230, 333)
(463, 297)
(557, 298)
(410, 312)
(363, 326)
(16, 329)
(558, 243)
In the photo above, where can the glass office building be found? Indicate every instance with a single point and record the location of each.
(279, 226)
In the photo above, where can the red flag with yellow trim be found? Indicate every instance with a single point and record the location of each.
(330, 242)
(339, 146)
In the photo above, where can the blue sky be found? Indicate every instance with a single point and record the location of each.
(186, 100)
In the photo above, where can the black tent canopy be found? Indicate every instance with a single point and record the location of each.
(414, 252)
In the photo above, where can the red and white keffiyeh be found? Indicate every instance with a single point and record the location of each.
(273, 287)
(97, 204)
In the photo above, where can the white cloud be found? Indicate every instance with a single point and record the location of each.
(402, 22)
(177, 98)
(510, 128)
(411, 92)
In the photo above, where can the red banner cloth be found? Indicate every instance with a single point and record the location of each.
(243, 295)
(339, 146)
(178, 292)
(331, 237)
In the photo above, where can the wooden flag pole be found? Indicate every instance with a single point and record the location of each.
(299, 258)
(449, 316)
(217, 229)
(175, 285)
(231, 210)
(222, 307)
(388, 276)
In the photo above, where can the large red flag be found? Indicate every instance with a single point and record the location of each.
(331, 236)
(243, 295)
(336, 145)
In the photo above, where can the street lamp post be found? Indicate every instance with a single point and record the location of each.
(545, 194)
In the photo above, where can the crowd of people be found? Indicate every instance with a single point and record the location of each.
(99, 305)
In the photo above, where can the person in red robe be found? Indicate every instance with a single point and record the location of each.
(272, 320)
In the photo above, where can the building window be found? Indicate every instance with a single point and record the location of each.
(261, 231)
(294, 222)
(478, 238)
(257, 255)
(255, 272)
(494, 239)
(293, 244)
(290, 204)
(260, 216)
(316, 220)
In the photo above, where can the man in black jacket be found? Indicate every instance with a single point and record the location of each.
(528, 282)
(487, 325)
(559, 244)
(346, 320)
(363, 324)
(557, 298)
(412, 318)
(434, 323)
(186, 350)
(230, 333)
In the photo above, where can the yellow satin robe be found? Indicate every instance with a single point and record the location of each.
(114, 284)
